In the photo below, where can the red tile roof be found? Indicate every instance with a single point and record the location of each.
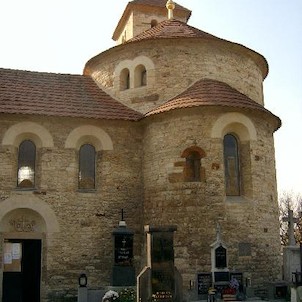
(207, 92)
(171, 29)
(175, 29)
(26, 92)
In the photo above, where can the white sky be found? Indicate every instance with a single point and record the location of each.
(62, 35)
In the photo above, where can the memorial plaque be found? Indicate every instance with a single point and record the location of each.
(220, 257)
(222, 276)
(123, 249)
(123, 272)
(204, 282)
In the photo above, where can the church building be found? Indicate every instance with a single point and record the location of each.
(169, 126)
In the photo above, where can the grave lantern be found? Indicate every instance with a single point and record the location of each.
(83, 280)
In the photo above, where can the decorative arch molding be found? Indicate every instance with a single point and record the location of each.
(191, 149)
(89, 135)
(237, 123)
(34, 204)
(148, 63)
(132, 65)
(28, 130)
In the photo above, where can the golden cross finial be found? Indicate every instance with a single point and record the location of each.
(170, 6)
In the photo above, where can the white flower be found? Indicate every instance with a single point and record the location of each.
(110, 295)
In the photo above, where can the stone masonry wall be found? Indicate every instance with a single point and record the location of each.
(178, 64)
(249, 224)
(86, 220)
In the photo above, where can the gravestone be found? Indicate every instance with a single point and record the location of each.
(123, 272)
(291, 253)
(204, 282)
(291, 220)
(159, 280)
(219, 260)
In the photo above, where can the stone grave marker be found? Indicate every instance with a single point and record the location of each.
(123, 272)
(160, 280)
(204, 282)
(291, 220)
(291, 252)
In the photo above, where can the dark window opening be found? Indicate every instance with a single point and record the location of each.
(140, 76)
(87, 167)
(192, 167)
(193, 171)
(125, 79)
(231, 165)
(26, 165)
(144, 77)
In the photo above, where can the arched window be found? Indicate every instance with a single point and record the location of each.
(231, 165)
(26, 165)
(125, 79)
(192, 169)
(140, 76)
(87, 167)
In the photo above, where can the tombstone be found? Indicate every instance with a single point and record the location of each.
(159, 280)
(123, 272)
(204, 282)
(291, 253)
(291, 221)
(219, 260)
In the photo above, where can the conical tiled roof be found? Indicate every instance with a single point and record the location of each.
(207, 92)
(172, 29)
(50, 94)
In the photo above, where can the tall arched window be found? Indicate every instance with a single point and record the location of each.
(87, 167)
(26, 165)
(125, 79)
(231, 165)
(140, 76)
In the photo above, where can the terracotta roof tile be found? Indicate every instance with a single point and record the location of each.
(143, 5)
(207, 92)
(171, 29)
(26, 92)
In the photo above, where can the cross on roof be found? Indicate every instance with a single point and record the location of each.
(291, 220)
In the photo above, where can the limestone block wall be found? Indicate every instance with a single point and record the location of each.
(249, 223)
(177, 65)
(127, 31)
(140, 20)
(83, 241)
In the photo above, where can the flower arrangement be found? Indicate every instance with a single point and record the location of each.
(110, 296)
(125, 295)
(232, 288)
(234, 283)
